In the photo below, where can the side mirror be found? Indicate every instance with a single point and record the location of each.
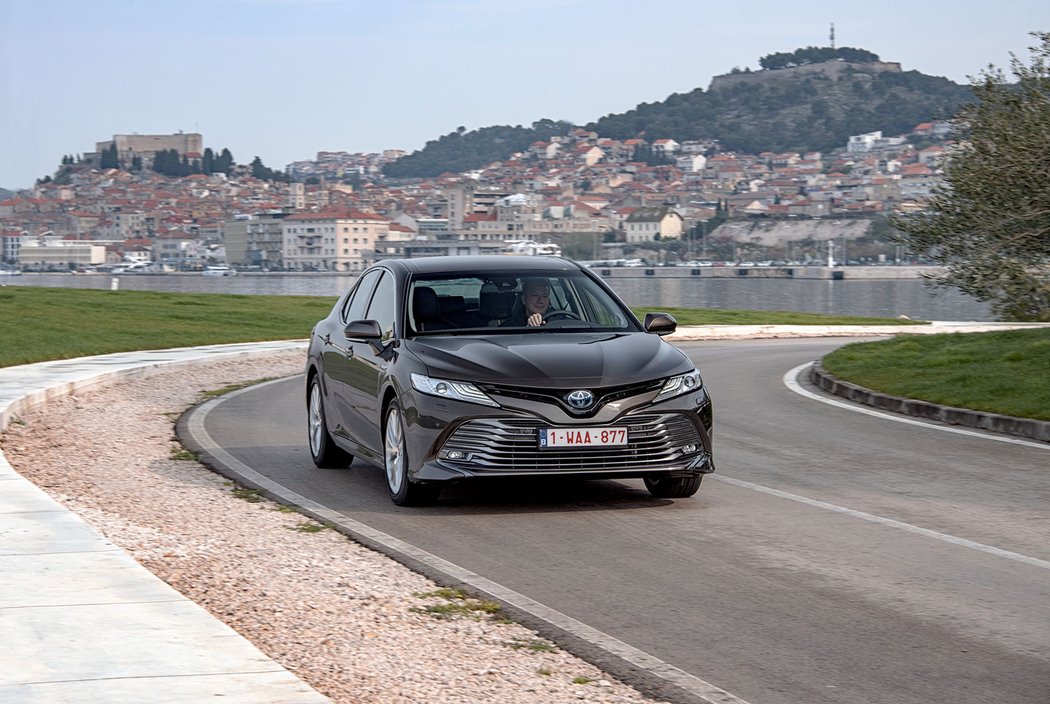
(362, 331)
(370, 332)
(660, 323)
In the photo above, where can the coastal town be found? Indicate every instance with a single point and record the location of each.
(579, 194)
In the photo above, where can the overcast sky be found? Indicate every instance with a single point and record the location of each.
(283, 79)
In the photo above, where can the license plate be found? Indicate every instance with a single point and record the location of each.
(562, 438)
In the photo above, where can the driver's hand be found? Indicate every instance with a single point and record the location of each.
(535, 320)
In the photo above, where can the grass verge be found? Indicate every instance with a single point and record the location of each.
(39, 324)
(1004, 372)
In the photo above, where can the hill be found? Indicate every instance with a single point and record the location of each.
(462, 151)
(804, 103)
(807, 108)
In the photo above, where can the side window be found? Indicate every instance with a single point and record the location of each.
(354, 308)
(561, 298)
(384, 306)
(600, 312)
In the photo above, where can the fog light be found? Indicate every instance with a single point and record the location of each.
(457, 455)
(688, 449)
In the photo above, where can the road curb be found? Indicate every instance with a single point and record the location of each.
(1007, 425)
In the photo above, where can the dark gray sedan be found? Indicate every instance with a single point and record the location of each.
(450, 368)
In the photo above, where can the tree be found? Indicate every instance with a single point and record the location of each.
(816, 55)
(166, 162)
(261, 171)
(108, 159)
(224, 162)
(989, 224)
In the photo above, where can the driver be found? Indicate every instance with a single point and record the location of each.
(534, 304)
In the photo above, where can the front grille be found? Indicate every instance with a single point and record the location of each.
(511, 445)
(602, 396)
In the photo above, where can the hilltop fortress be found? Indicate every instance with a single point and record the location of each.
(146, 146)
(832, 70)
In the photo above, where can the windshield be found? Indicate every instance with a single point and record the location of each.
(515, 302)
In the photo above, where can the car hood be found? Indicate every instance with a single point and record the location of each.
(566, 360)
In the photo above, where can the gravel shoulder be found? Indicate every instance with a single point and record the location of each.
(354, 624)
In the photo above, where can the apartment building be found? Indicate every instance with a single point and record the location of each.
(11, 246)
(333, 240)
(255, 240)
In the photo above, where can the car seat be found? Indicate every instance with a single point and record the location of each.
(427, 310)
(494, 305)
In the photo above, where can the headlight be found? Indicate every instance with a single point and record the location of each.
(456, 390)
(681, 384)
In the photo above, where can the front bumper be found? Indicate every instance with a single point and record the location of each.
(672, 438)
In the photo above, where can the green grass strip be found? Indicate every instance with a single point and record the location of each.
(39, 324)
(1001, 372)
(1004, 372)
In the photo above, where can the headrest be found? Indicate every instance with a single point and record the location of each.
(496, 304)
(425, 303)
(452, 305)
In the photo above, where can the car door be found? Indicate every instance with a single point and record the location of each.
(338, 358)
(367, 369)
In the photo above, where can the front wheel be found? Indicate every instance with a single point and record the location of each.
(403, 491)
(673, 487)
(323, 450)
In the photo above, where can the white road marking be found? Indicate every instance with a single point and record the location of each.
(963, 542)
(791, 381)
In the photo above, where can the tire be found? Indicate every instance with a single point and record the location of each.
(673, 487)
(323, 450)
(403, 491)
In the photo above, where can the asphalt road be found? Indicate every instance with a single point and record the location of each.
(834, 556)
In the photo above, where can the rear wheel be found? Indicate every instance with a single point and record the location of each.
(403, 491)
(673, 487)
(323, 450)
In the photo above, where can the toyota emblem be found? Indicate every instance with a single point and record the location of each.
(580, 400)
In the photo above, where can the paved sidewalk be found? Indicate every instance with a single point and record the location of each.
(80, 620)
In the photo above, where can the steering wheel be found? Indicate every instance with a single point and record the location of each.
(558, 314)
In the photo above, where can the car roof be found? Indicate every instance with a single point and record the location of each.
(480, 264)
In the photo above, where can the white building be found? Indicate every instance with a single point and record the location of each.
(332, 240)
(648, 224)
(52, 253)
(691, 162)
(862, 143)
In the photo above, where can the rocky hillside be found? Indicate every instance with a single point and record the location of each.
(777, 233)
(810, 108)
